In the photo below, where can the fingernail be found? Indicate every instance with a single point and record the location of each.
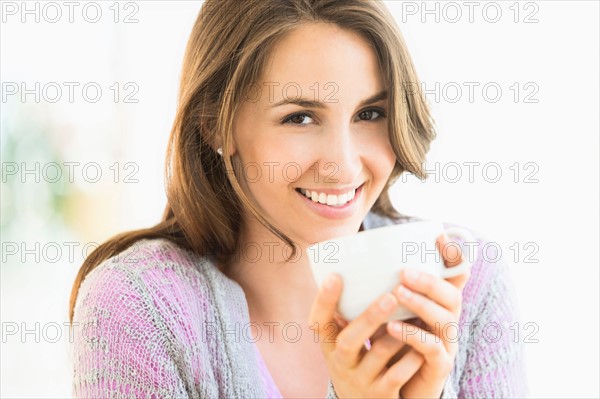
(330, 281)
(404, 292)
(411, 275)
(387, 302)
(452, 254)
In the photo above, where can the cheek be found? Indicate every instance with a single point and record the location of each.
(391, 161)
(267, 173)
(382, 156)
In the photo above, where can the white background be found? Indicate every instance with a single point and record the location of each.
(558, 135)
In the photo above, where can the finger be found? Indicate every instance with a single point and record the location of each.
(451, 252)
(323, 311)
(414, 321)
(382, 351)
(460, 281)
(433, 287)
(452, 255)
(425, 343)
(340, 320)
(351, 339)
(400, 354)
(402, 371)
(430, 312)
(381, 331)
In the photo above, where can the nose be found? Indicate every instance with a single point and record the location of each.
(340, 164)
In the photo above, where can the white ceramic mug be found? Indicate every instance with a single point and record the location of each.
(370, 261)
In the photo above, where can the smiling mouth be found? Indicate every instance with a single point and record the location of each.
(329, 199)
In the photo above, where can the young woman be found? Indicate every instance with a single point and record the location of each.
(293, 122)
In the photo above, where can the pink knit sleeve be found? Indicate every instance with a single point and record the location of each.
(121, 345)
(494, 363)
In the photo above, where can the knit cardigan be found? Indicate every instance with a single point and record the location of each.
(158, 321)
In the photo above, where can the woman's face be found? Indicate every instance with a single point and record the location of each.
(316, 121)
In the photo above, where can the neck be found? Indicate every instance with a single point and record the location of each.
(277, 290)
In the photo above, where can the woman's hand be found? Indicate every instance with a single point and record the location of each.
(409, 362)
(437, 303)
(354, 371)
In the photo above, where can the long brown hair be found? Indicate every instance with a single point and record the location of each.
(225, 54)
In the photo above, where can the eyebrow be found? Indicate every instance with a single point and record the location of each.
(303, 102)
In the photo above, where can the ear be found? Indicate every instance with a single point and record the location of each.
(217, 147)
(214, 139)
(232, 150)
(209, 135)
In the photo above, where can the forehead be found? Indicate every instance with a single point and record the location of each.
(322, 54)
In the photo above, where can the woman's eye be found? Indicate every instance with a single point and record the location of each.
(370, 114)
(304, 119)
(298, 119)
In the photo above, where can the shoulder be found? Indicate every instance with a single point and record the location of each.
(148, 261)
(137, 318)
(154, 277)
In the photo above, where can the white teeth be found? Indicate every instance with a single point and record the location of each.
(323, 198)
(329, 199)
